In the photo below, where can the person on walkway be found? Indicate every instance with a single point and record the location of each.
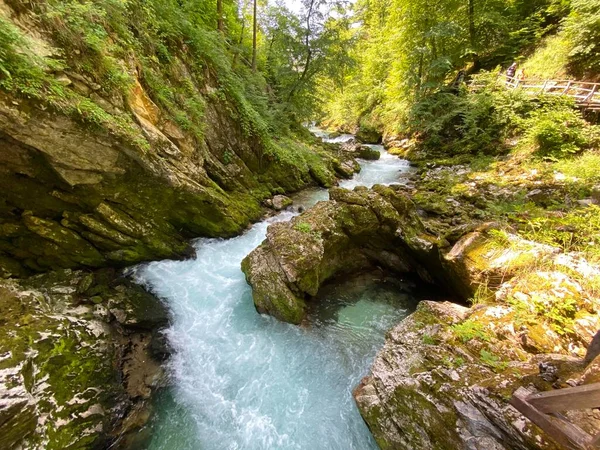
(510, 72)
(520, 75)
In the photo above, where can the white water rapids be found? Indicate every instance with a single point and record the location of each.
(246, 381)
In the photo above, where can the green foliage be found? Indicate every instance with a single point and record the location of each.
(493, 361)
(173, 48)
(303, 227)
(452, 124)
(559, 132)
(583, 29)
(471, 329)
(558, 310)
(576, 231)
(550, 60)
(484, 121)
(428, 340)
(404, 50)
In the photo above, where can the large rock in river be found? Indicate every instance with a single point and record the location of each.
(354, 230)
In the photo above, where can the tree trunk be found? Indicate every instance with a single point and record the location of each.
(309, 54)
(472, 31)
(240, 41)
(220, 25)
(254, 35)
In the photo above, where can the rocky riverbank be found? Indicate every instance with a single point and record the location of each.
(80, 357)
(445, 374)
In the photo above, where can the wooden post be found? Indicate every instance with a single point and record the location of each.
(568, 87)
(590, 97)
(544, 86)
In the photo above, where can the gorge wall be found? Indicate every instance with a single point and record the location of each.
(95, 176)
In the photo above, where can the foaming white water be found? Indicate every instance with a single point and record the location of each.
(325, 136)
(246, 381)
(389, 169)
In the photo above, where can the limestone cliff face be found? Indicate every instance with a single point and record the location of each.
(92, 177)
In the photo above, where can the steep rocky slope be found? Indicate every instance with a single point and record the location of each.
(124, 132)
(96, 174)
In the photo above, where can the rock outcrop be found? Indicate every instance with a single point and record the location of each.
(445, 374)
(80, 356)
(353, 231)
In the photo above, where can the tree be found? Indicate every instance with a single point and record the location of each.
(254, 35)
(220, 22)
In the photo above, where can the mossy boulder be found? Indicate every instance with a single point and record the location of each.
(368, 135)
(76, 358)
(353, 231)
(369, 153)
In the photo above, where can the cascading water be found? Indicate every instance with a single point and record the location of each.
(246, 381)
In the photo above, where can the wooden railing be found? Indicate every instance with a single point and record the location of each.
(586, 95)
(544, 410)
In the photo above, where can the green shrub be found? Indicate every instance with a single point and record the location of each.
(583, 29)
(303, 227)
(452, 123)
(470, 329)
(558, 133)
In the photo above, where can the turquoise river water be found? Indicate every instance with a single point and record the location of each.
(245, 381)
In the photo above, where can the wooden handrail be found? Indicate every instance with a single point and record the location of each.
(586, 94)
(542, 409)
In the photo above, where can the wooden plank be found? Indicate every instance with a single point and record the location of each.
(580, 397)
(568, 87)
(591, 96)
(595, 442)
(568, 435)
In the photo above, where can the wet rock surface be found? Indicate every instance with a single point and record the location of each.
(446, 374)
(80, 356)
(355, 230)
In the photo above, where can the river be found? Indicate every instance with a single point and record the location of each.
(246, 381)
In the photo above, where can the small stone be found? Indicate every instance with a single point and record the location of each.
(548, 372)
(64, 80)
(586, 202)
(281, 202)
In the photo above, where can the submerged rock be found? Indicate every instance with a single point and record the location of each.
(76, 359)
(369, 153)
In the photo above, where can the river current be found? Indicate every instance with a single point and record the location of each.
(246, 381)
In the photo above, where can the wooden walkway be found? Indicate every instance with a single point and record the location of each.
(586, 95)
(545, 408)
